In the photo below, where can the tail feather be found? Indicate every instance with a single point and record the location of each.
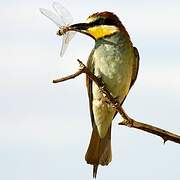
(95, 168)
(99, 150)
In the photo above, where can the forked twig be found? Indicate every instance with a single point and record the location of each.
(127, 121)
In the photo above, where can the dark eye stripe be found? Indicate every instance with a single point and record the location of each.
(103, 21)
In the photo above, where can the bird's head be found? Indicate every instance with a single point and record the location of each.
(100, 25)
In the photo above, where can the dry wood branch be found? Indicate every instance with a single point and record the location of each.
(72, 76)
(127, 121)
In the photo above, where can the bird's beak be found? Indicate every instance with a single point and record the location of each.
(80, 27)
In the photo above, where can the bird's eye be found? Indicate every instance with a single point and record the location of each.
(101, 21)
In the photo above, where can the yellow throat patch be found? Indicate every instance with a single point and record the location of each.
(102, 30)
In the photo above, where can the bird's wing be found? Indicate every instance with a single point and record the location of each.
(89, 85)
(135, 67)
(135, 72)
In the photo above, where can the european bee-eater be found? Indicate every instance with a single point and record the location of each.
(116, 62)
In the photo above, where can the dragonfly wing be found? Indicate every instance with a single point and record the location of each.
(66, 39)
(63, 13)
(63, 18)
(52, 16)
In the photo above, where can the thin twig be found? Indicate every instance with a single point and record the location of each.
(72, 76)
(127, 121)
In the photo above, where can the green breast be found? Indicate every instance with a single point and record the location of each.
(113, 60)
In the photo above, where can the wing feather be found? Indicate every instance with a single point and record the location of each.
(90, 65)
(135, 67)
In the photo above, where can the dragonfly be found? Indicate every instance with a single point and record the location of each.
(63, 19)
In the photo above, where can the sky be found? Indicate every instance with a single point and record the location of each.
(45, 127)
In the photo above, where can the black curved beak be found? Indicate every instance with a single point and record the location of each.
(82, 28)
(79, 27)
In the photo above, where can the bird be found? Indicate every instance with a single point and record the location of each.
(115, 61)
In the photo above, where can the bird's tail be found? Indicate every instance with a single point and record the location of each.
(99, 150)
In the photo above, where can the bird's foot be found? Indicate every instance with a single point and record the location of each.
(116, 104)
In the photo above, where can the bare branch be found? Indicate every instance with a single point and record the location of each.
(72, 76)
(127, 121)
(165, 135)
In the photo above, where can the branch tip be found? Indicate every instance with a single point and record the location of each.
(165, 140)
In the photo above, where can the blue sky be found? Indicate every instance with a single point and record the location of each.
(45, 127)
